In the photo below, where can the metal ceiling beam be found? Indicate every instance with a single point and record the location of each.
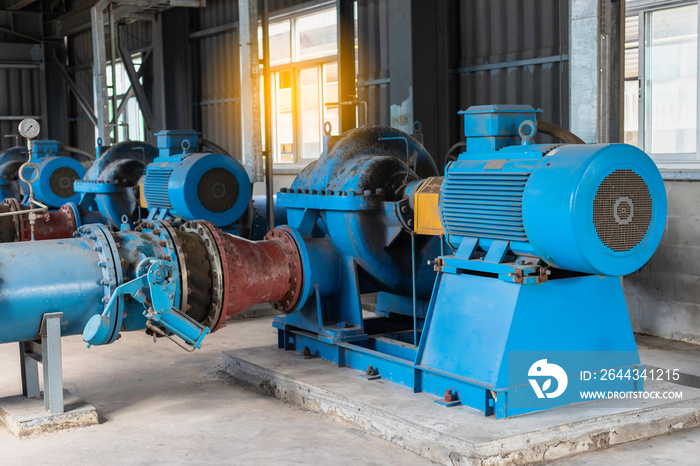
(21, 52)
(80, 19)
(130, 91)
(136, 86)
(82, 101)
(20, 35)
(20, 4)
(69, 24)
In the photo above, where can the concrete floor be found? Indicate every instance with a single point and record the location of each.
(682, 448)
(159, 404)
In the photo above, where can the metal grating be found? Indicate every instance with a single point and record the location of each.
(486, 205)
(217, 190)
(622, 210)
(61, 182)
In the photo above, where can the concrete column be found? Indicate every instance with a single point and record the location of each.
(595, 57)
(158, 88)
(250, 83)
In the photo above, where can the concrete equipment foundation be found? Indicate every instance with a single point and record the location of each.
(461, 435)
(55, 408)
(24, 416)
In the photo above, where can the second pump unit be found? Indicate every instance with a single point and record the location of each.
(527, 295)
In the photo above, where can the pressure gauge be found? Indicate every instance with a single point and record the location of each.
(29, 128)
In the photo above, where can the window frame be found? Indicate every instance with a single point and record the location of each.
(294, 67)
(122, 127)
(643, 9)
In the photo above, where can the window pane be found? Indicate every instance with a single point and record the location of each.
(316, 35)
(282, 123)
(671, 81)
(632, 46)
(309, 105)
(131, 124)
(330, 94)
(632, 112)
(280, 43)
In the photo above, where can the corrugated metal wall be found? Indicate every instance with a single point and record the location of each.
(480, 33)
(21, 96)
(81, 131)
(218, 103)
(20, 83)
(485, 41)
(373, 76)
(501, 31)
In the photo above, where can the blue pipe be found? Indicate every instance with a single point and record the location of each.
(88, 277)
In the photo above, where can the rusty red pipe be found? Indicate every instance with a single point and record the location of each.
(48, 225)
(254, 272)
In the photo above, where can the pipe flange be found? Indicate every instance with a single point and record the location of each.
(97, 186)
(404, 213)
(70, 210)
(14, 206)
(110, 265)
(174, 253)
(295, 269)
(217, 260)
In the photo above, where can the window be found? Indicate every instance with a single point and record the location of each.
(661, 81)
(304, 68)
(130, 120)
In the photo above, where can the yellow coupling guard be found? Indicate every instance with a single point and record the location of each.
(426, 211)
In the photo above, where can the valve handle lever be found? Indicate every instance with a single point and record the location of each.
(162, 287)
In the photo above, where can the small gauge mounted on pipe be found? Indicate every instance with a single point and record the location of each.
(29, 128)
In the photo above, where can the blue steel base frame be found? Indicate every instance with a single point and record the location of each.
(585, 314)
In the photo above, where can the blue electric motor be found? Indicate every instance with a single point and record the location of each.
(204, 186)
(591, 208)
(54, 184)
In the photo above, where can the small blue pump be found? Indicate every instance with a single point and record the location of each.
(108, 190)
(527, 297)
(170, 181)
(54, 183)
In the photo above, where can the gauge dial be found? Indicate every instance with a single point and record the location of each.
(29, 128)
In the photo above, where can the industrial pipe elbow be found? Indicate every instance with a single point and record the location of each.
(108, 186)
